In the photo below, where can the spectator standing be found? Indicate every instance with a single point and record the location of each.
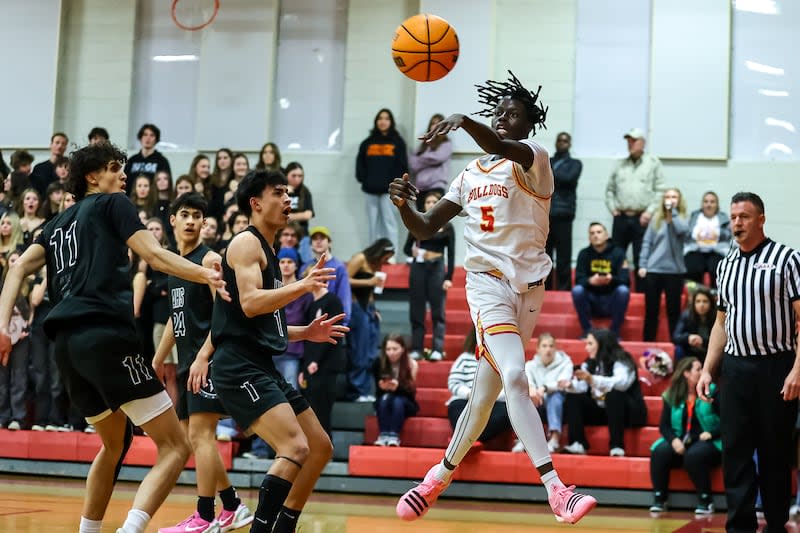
(661, 262)
(428, 282)
(605, 390)
(396, 388)
(709, 240)
(601, 281)
(381, 157)
(45, 172)
(460, 382)
(690, 437)
(694, 327)
(364, 318)
(147, 160)
(632, 195)
(14, 373)
(549, 376)
(220, 178)
(28, 210)
(430, 164)
(754, 339)
(566, 173)
(302, 205)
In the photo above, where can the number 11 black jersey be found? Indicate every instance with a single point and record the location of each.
(87, 261)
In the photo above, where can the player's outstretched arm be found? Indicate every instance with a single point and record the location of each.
(421, 225)
(245, 257)
(29, 262)
(487, 138)
(321, 329)
(147, 247)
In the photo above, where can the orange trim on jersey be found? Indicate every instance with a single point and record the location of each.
(499, 329)
(520, 181)
(487, 170)
(490, 359)
(482, 350)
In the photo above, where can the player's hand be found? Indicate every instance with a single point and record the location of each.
(301, 380)
(791, 385)
(158, 368)
(704, 386)
(402, 191)
(705, 435)
(324, 329)
(198, 375)
(318, 276)
(5, 347)
(214, 279)
(312, 368)
(451, 123)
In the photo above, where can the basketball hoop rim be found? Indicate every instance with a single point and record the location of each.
(193, 28)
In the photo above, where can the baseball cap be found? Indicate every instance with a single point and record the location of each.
(289, 253)
(322, 230)
(634, 133)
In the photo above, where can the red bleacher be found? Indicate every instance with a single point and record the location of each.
(82, 448)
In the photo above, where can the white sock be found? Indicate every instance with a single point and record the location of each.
(90, 526)
(136, 522)
(442, 473)
(551, 481)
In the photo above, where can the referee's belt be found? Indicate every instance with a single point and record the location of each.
(499, 275)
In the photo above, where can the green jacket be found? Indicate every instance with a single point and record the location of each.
(709, 420)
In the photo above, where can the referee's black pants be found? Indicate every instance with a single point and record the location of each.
(754, 416)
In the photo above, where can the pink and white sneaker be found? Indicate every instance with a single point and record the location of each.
(570, 506)
(415, 503)
(230, 520)
(193, 524)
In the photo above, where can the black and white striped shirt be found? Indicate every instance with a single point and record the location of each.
(756, 291)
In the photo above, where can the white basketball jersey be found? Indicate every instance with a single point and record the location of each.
(508, 216)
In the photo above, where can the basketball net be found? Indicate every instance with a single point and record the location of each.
(194, 15)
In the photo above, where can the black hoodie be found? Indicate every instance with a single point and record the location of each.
(381, 158)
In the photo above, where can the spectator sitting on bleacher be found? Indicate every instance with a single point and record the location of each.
(708, 241)
(694, 327)
(604, 390)
(395, 385)
(460, 382)
(601, 281)
(690, 436)
(661, 263)
(549, 375)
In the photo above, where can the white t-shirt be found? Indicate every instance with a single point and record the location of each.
(508, 216)
(706, 232)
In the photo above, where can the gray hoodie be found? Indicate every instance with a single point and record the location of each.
(662, 250)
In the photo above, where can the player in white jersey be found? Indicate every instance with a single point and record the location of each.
(505, 197)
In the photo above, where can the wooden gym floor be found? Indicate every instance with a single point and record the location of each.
(29, 505)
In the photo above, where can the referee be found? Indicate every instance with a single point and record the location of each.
(755, 329)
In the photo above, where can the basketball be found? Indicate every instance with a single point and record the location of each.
(425, 47)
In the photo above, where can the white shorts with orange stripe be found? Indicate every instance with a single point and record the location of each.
(497, 309)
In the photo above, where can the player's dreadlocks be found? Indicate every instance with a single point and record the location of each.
(491, 94)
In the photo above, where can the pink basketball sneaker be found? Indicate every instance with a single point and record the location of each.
(416, 502)
(569, 506)
(230, 520)
(193, 524)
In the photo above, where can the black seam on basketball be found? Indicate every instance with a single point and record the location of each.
(428, 62)
(411, 35)
(443, 35)
(436, 52)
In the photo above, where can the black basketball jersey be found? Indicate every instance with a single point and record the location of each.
(191, 305)
(257, 338)
(87, 261)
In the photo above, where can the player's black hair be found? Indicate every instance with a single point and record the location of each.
(90, 159)
(492, 92)
(191, 200)
(751, 197)
(253, 184)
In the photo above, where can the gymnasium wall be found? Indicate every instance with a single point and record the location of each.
(536, 38)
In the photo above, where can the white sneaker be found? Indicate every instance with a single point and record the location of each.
(518, 447)
(364, 398)
(415, 355)
(794, 510)
(576, 448)
(14, 426)
(553, 445)
(90, 429)
(382, 440)
(617, 452)
(392, 440)
(435, 355)
(52, 427)
(224, 437)
(37, 427)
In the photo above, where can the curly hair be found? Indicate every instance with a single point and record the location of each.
(494, 91)
(88, 159)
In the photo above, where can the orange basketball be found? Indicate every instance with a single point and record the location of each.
(425, 47)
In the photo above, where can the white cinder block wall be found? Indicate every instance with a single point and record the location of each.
(535, 38)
